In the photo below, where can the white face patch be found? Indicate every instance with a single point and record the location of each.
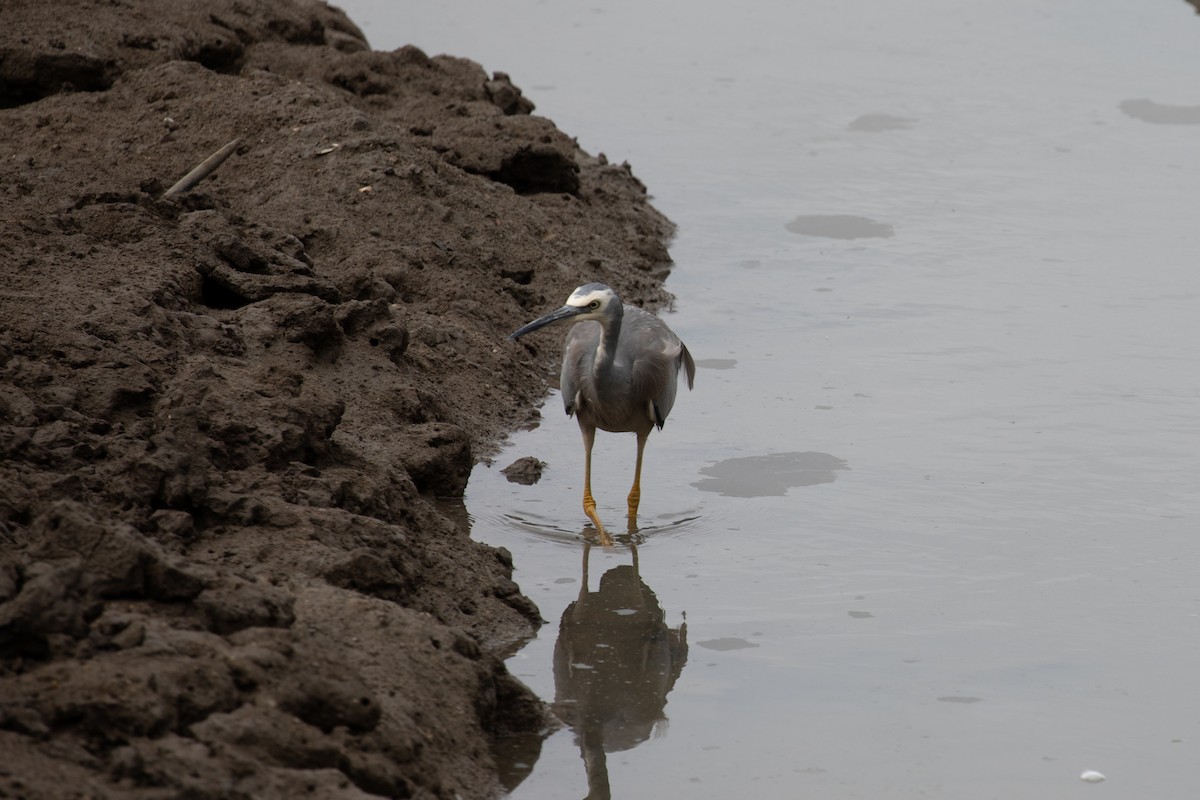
(580, 299)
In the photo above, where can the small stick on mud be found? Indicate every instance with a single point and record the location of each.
(202, 170)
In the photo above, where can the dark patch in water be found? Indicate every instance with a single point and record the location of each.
(840, 226)
(769, 475)
(1160, 114)
(878, 123)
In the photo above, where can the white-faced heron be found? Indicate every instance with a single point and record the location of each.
(619, 373)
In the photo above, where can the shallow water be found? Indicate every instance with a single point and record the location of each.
(930, 512)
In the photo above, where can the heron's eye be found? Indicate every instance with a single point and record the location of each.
(594, 304)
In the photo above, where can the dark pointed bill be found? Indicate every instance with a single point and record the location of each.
(554, 316)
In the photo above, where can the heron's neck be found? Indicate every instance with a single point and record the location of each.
(610, 334)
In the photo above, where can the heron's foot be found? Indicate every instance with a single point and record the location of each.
(605, 539)
(589, 508)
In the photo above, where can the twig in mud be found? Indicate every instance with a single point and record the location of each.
(202, 170)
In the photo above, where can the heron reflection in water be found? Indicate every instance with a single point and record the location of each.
(615, 661)
(620, 371)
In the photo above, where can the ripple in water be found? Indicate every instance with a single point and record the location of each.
(561, 531)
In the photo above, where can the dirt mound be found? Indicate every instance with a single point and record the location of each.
(224, 416)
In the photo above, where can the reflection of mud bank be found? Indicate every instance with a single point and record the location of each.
(221, 417)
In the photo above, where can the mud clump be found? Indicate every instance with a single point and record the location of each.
(224, 417)
(527, 470)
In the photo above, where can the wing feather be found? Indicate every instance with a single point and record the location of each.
(578, 352)
(657, 357)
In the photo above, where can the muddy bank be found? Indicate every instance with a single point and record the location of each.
(224, 417)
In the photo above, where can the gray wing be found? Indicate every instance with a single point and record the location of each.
(578, 351)
(657, 356)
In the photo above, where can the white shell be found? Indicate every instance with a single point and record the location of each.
(1091, 776)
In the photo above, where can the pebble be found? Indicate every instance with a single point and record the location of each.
(1091, 776)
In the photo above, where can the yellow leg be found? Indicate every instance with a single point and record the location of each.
(635, 494)
(589, 503)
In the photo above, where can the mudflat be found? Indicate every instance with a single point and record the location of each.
(226, 413)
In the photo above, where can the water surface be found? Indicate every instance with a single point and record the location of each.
(927, 525)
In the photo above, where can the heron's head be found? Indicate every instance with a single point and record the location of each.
(593, 301)
(590, 301)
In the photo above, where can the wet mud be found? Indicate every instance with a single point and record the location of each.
(226, 416)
